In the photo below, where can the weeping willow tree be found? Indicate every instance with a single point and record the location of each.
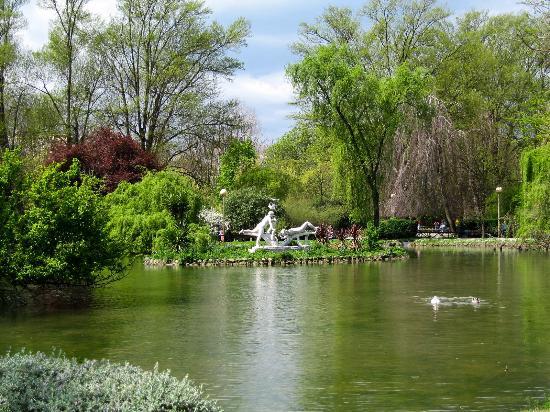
(534, 214)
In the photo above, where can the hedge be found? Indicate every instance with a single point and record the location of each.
(397, 228)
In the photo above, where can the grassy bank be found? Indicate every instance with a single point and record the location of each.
(37, 382)
(492, 243)
(237, 254)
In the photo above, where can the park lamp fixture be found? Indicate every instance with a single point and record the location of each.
(499, 229)
(223, 194)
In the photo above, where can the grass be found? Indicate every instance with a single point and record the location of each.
(474, 242)
(238, 251)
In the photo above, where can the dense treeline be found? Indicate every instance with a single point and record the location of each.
(400, 102)
(424, 113)
(151, 72)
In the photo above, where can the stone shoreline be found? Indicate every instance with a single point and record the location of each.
(250, 262)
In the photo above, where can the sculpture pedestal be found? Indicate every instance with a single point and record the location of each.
(278, 248)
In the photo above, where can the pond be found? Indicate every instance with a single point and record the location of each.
(345, 337)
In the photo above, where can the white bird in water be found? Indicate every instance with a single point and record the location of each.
(475, 301)
(435, 301)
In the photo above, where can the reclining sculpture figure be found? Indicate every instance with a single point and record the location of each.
(295, 233)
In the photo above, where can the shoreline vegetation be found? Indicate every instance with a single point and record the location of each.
(519, 244)
(236, 254)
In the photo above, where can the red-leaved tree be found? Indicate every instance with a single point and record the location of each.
(107, 154)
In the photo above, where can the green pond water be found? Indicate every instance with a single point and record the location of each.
(339, 338)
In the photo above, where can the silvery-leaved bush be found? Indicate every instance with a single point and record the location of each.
(37, 382)
(3, 404)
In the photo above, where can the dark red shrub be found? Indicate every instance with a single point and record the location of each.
(324, 234)
(355, 233)
(108, 155)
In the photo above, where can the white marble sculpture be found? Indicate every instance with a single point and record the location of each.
(266, 230)
(260, 232)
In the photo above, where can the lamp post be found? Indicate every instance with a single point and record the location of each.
(223, 194)
(499, 191)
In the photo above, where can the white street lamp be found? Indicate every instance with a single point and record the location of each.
(223, 194)
(499, 191)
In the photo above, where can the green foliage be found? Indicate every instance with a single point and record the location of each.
(371, 237)
(265, 179)
(305, 158)
(239, 170)
(36, 382)
(153, 215)
(245, 208)
(361, 107)
(239, 156)
(534, 213)
(299, 209)
(12, 184)
(394, 228)
(54, 228)
(199, 238)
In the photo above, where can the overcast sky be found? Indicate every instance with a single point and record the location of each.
(261, 86)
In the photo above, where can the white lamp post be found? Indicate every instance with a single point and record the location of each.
(223, 194)
(499, 191)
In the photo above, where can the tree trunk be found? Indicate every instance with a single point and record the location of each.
(450, 219)
(4, 142)
(70, 139)
(375, 196)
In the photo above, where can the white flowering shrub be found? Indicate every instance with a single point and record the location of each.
(37, 382)
(212, 218)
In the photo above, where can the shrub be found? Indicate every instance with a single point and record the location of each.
(108, 155)
(213, 219)
(153, 215)
(36, 382)
(370, 237)
(200, 239)
(354, 232)
(324, 234)
(534, 214)
(394, 228)
(54, 229)
(245, 208)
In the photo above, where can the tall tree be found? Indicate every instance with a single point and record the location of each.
(164, 59)
(11, 21)
(404, 31)
(70, 72)
(363, 109)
